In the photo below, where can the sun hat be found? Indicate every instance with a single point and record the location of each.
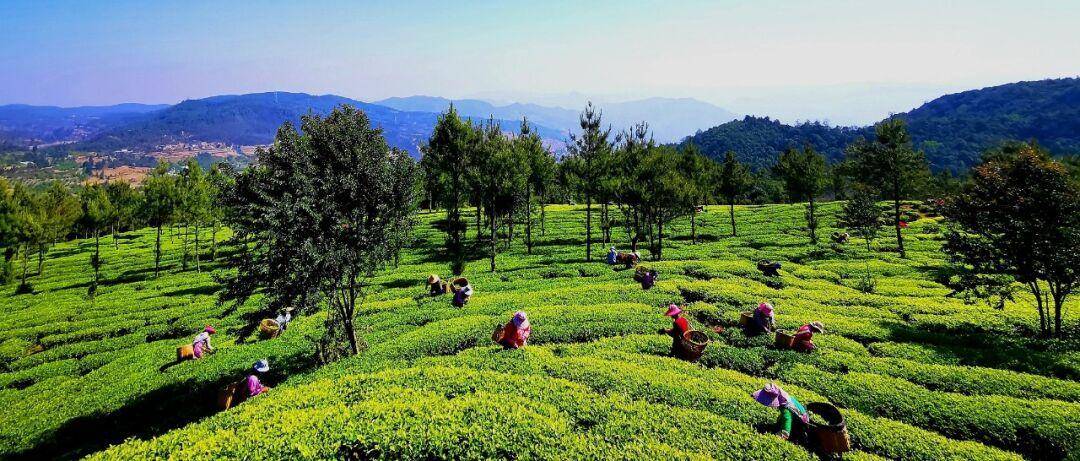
(262, 366)
(467, 290)
(765, 308)
(210, 329)
(771, 396)
(432, 278)
(817, 327)
(612, 248)
(673, 310)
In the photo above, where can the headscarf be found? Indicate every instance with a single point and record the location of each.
(766, 309)
(520, 320)
(209, 329)
(673, 310)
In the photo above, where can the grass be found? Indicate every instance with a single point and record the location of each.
(918, 374)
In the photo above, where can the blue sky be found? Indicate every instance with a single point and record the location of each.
(74, 53)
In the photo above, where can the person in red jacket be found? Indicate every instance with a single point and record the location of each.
(679, 326)
(805, 334)
(516, 332)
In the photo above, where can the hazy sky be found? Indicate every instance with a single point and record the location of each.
(87, 52)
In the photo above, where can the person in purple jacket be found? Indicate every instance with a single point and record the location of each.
(252, 384)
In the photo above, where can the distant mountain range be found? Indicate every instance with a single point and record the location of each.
(669, 119)
(252, 119)
(953, 130)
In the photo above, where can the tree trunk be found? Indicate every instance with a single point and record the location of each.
(731, 211)
(659, 239)
(588, 226)
(198, 268)
(1044, 323)
(25, 261)
(116, 243)
(157, 252)
(811, 221)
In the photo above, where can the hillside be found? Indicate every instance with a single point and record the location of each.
(670, 119)
(25, 124)
(253, 119)
(953, 130)
(920, 375)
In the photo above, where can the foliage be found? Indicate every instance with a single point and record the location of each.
(890, 165)
(733, 181)
(803, 173)
(1020, 216)
(324, 210)
(862, 215)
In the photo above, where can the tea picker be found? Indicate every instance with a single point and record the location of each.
(199, 346)
(793, 418)
(762, 320)
(515, 333)
(769, 268)
(646, 277)
(805, 334)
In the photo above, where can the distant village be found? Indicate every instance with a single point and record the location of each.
(133, 165)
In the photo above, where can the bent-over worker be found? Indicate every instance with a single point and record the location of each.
(516, 332)
(679, 326)
(764, 320)
(793, 416)
(435, 286)
(612, 256)
(201, 343)
(804, 336)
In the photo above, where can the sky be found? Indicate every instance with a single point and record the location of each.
(799, 59)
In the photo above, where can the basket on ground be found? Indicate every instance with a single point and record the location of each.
(831, 433)
(692, 345)
(745, 318)
(269, 328)
(229, 395)
(185, 352)
(784, 340)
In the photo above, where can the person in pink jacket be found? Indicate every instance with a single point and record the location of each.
(805, 334)
(201, 343)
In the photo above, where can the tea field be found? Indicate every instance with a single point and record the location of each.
(918, 374)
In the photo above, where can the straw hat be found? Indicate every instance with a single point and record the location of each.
(432, 278)
(771, 396)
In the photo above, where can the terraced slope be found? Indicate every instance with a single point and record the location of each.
(919, 375)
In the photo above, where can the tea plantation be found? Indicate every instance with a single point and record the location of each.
(918, 374)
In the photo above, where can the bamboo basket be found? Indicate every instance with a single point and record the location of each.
(228, 396)
(831, 437)
(185, 352)
(692, 345)
(745, 318)
(269, 328)
(784, 340)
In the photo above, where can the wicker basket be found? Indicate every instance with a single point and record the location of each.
(269, 328)
(746, 318)
(185, 352)
(832, 436)
(497, 335)
(784, 340)
(229, 395)
(692, 345)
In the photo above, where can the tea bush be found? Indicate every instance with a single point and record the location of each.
(917, 374)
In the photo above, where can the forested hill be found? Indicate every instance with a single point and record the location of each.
(253, 119)
(758, 141)
(953, 130)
